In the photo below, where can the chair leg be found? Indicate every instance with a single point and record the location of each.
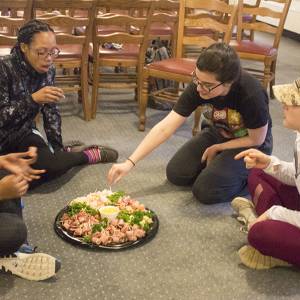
(272, 82)
(95, 87)
(267, 74)
(143, 100)
(85, 93)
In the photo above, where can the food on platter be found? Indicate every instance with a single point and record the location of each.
(107, 218)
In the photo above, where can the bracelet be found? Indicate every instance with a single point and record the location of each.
(133, 163)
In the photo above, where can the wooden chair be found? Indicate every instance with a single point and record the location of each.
(19, 9)
(128, 61)
(254, 50)
(164, 22)
(180, 68)
(9, 39)
(73, 49)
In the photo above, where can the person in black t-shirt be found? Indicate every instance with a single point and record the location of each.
(236, 117)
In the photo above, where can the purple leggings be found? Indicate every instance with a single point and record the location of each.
(274, 238)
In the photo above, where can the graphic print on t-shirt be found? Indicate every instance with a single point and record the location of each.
(229, 121)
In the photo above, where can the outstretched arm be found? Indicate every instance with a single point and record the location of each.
(157, 135)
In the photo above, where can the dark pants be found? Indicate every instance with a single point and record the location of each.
(55, 164)
(274, 238)
(223, 179)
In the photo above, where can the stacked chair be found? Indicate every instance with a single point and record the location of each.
(119, 45)
(13, 15)
(212, 15)
(67, 17)
(254, 50)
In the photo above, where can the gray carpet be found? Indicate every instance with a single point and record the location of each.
(193, 256)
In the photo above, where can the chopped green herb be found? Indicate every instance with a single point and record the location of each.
(77, 207)
(113, 198)
(87, 239)
(136, 217)
(100, 226)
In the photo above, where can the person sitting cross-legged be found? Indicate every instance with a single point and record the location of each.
(274, 236)
(27, 88)
(16, 256)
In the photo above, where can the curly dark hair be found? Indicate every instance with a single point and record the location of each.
(27, 32)
(221, 60)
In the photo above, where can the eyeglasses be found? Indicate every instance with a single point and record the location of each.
(207, 87)
(44, 53)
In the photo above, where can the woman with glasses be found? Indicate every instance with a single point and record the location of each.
(27, 88)
(236, 117)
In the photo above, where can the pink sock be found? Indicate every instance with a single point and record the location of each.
(93, 154)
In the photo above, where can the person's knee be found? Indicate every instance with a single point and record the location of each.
(15, 234)
(205, 195)
(259, 234)
(209, 188)
(178, 176)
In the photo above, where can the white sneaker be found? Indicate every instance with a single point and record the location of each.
(35, 266)
(244, 209)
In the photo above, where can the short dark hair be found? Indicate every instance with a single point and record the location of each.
(28, 30)
(221, 60)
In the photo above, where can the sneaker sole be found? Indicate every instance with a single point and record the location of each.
(241, 203)
(37, 266)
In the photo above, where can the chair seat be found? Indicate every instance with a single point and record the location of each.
(181, 66)
(247, 46)
(199, 31)
(158, 29)
(128, 51)
(4, 50)
(70, 51)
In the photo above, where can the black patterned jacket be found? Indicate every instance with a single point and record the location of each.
(18, 80)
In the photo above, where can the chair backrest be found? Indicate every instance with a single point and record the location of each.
(16, 8)
(19, 9)
(258, 13)
(9, 38)
(65, 25)
(130, 29)
(203, 22)
(165, 16)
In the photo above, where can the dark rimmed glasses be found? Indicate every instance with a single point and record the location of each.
(44, 53)
(207, 87)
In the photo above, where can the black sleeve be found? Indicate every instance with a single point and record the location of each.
(52, 119)
(188, 101)
(255, 109)
(12, 111)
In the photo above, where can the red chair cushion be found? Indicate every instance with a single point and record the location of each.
(158, 29)
(128, 51)
(70, 51)
(182, 66)
(247, 46)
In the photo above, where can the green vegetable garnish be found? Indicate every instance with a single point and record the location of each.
(113, 198)
(100, 226)
(87, 239)
(77, 207)
(136, 218)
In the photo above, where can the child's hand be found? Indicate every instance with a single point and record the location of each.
(254, 158)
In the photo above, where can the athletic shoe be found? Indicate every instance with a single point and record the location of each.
(35, 266)
(100, 154)
(253, 259)
(244, 209)
(68, 146)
